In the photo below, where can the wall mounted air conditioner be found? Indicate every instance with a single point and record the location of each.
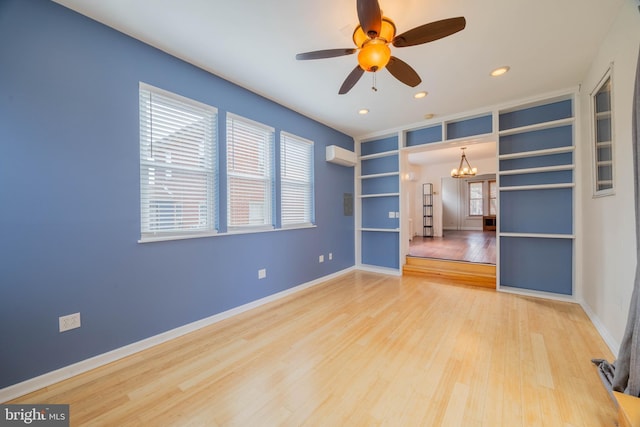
(340, 156)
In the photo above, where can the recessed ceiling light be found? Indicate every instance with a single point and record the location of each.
(363, 111)
(420, 95)
(429, 116)
(500, 71)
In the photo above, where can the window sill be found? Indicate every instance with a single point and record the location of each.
(160, 238)
(604, 193)
(229, 233)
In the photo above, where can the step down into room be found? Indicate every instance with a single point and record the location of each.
(467, 273)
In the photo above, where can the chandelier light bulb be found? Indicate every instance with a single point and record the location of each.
(464, 169)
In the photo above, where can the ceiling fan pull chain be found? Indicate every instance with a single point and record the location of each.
(374, 88)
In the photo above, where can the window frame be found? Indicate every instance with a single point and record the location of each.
(309, 205)
(149, 165)
(469, 199)
(607, 78)
(268, 180)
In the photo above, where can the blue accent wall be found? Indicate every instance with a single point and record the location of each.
(558, 177)
(379, 145)
(379, 165)
(541, 113)
(380, 185)
(548, 211)
(424, 135)
(537, 264)
(69, 190)
(375, 212)
(537, 140)
(470, 127)
(381, 249)
(537, 161)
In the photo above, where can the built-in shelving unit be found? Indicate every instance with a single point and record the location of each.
(379, 201)
(536, 186)
(535, 181)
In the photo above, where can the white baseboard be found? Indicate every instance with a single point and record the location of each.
(381, 270)
(33, 384)
(609, 340)
(536, 294)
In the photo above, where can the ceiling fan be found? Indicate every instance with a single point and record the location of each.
(372, 38)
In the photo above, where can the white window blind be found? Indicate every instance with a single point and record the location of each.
(296, 179)
(249, 173)
(177, 165)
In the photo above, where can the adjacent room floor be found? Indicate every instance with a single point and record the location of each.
(471, 246)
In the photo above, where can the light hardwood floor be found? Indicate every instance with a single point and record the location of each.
(361, 350)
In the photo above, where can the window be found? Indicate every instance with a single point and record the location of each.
(296, 180)
(249, 174)
(177, 172)
(603, 136)
(493, 192)
(475, 199)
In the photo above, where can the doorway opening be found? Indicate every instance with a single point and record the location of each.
(459, 224)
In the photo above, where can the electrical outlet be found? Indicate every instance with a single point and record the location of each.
(330, 256)
(321, 258)
(392, 214)
(68, 322)
(262, 273)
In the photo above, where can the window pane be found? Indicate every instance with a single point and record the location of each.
(493, 207)
(476, 207)
(602, 116)
(249, 173)
(177, 152)
(296, 175)
(475, 198)
(493, 193)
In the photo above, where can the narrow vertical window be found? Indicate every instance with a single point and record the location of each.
(296, 179)
(177, 165)
(475, 199)
(249, 174)
(603, 137)
(493, 193)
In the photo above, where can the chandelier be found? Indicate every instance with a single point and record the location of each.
(464, 170)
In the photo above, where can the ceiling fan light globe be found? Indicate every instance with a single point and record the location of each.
(374, 56)
(387, 33)
(387, 30)
(359, 37)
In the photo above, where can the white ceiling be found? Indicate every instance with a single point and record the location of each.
(549, 45)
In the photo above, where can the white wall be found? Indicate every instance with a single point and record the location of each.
(434, 174)
(606, 248)
(413, 186)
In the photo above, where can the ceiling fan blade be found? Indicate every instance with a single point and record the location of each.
(328, 53)
(370, 17)
(430, 32)
(351, 80)
(403, 72)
